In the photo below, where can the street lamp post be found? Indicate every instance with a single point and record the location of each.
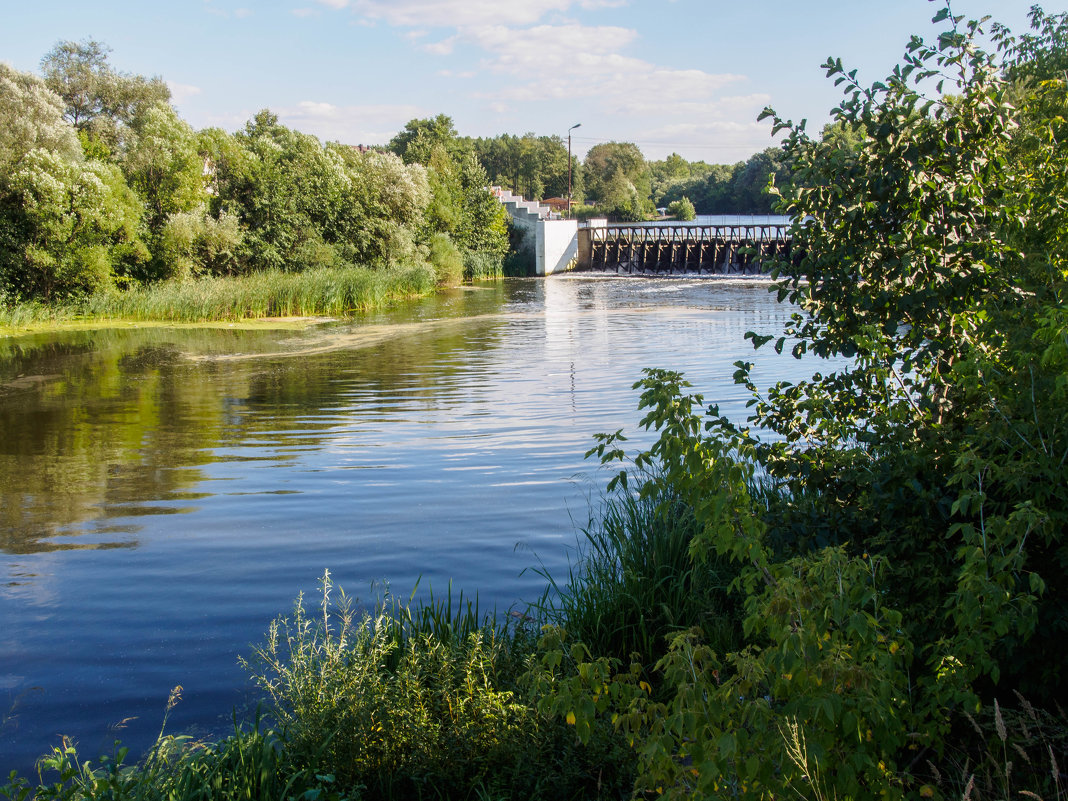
(569, 130)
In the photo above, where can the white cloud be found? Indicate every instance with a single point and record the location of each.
(241, 13)
(457, 13)
(573, 61)
(540, 56)
(368, 124)
(305, 12)
(180, 92)
(462, 13)
(519, 50)
(442, 48)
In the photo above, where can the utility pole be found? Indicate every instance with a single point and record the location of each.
(569, 130)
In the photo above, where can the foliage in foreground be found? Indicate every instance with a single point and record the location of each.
(635, 584)
(397, 706)
(906, 570)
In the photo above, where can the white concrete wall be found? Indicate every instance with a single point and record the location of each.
(556, 246)
(551, 242)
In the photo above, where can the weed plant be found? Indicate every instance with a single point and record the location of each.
(635, 583)
(1005, 752)
(249, 765)
(402, 703)
(482, 266)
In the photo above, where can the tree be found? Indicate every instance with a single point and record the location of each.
(288, 192)
(416, 143)
(460, 202)
(100, 102)
(67, 227)
(163, 164)
(897, 522)
(750, 183)
(934, 259)
(76, 71)
(617, 176)
(533, 166)
(391, 198)
(31, 116)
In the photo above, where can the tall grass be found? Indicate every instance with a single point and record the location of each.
(402, 703)
(634, 582)
(322, 291)
(482, 266)
(249, 765)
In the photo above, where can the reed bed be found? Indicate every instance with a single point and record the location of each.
(327, 291)
(322, 291)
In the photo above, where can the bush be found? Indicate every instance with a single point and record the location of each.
(482, 266)
(682, 209)
(402, 704)
(635, 584)
(447, 261)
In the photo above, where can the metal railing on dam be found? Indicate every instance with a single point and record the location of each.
(635, 249)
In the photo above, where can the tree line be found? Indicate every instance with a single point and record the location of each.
(615, 179)
(103, 185)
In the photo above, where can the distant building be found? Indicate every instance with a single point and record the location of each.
(555, 203)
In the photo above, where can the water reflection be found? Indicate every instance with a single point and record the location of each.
(166, 492)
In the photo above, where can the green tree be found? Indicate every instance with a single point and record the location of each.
(288, 192)
(67, 227)
(460, 202)
(532, 166)
(99, 102)
(416, 143)
(163, 164)
(31, 117)
(931, 261)
(389, 200)
(900, 556)
(749, 184)
(619, 179)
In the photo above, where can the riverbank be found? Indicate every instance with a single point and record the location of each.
(272, 299)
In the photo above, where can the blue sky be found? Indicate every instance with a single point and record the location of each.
(688, 76)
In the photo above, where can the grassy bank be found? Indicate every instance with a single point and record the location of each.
(330, 292)
(572, 700)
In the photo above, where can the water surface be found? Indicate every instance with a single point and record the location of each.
(167, 492)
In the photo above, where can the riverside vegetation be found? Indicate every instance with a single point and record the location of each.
(868, 603)
(111, 205)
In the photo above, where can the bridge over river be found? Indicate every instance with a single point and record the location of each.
(680, 248)
(733, 245)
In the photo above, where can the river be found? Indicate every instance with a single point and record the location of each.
(166, 492)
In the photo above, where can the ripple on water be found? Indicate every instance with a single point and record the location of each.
(168, 492)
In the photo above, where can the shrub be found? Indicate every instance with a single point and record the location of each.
(401, 704)
(682, 209)
(481, 266)
(635, 584)
(447, 261)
